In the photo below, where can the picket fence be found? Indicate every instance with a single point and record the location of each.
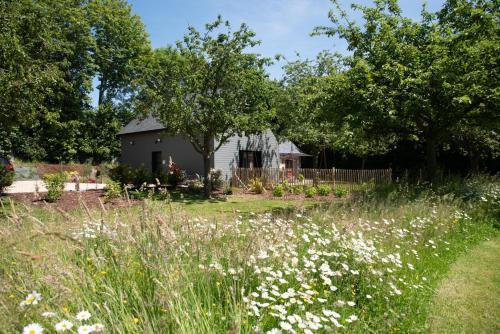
(349, 178)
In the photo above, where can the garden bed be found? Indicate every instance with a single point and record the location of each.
(73, 200)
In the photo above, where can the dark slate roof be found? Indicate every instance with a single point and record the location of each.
(289, 148)
(141, 125)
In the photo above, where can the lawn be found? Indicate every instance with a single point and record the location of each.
(369, 264)
(468, 299)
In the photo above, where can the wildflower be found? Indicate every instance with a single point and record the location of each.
(85, 329)
(352, 318)
(48, 314)
(98, 328)
(274, 331)
(31, 299)
(286, 326)
(83, 315)
(33, 329)
(63, 326)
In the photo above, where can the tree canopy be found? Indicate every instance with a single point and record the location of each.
(420, 80)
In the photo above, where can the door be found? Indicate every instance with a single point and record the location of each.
(156, 161)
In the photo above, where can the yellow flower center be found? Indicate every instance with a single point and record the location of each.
(32, 331)
(30, 300)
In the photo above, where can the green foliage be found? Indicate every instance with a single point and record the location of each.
(125, 175)
(228, 190)
(55, 186)
(418, 80)
(216, 179)
(6, 178)
(310, 192)
(324, 190)
(278, 190)
(340, 191)
(195, 185)
(121, 174)
(176, 175)
(256, 185)
(50, 51)
(228, 89)
(297, 189)
(113, 190)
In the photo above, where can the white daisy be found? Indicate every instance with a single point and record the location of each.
(63, 326)
(98, 327)
(32, 299)
(48, 314)
(83, 315)
(33, 329)
(85, 329)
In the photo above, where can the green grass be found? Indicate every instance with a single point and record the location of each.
(468, 299)
(186, 267)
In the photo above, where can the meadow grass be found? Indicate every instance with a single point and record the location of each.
(366, 265)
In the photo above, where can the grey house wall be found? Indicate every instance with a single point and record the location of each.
(137, 149)
(227, 156)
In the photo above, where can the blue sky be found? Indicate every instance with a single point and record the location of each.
(283, 26)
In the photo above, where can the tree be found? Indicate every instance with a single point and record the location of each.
(209, 88)
(423, 79)
(42, 60)
(313, 95)
(120, 50)
(300, 109)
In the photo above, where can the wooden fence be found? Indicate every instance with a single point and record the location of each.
(349, 178)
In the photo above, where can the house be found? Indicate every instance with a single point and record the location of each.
(290, 155)
(145, 143)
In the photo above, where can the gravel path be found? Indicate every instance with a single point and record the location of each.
(30, 186)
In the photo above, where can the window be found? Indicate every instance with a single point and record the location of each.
(288, 164)
(250, 159)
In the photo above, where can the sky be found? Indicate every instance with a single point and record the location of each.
(283, 26)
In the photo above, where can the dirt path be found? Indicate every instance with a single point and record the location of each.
(468, 299)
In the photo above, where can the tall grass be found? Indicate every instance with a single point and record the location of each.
(158, 270)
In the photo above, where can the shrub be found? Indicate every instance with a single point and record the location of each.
(324, 190)
(55, 185)
(140, 176)
(176, 175)
(195, 185)
(311, 192)
(278, 190)
(228, 190)
(340, 191)
(121, 174)
(301, 178)
(160, 177)
(297, 190)
(113, 190)
(216, 179)
(6, 178)
(256, 186)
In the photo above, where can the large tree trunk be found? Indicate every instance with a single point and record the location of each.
(206, 175)
(207, 154)
(431, 159)
(315, 155)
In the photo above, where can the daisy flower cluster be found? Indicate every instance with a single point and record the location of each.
(78, 325)
(93, 229)
(320, 277)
